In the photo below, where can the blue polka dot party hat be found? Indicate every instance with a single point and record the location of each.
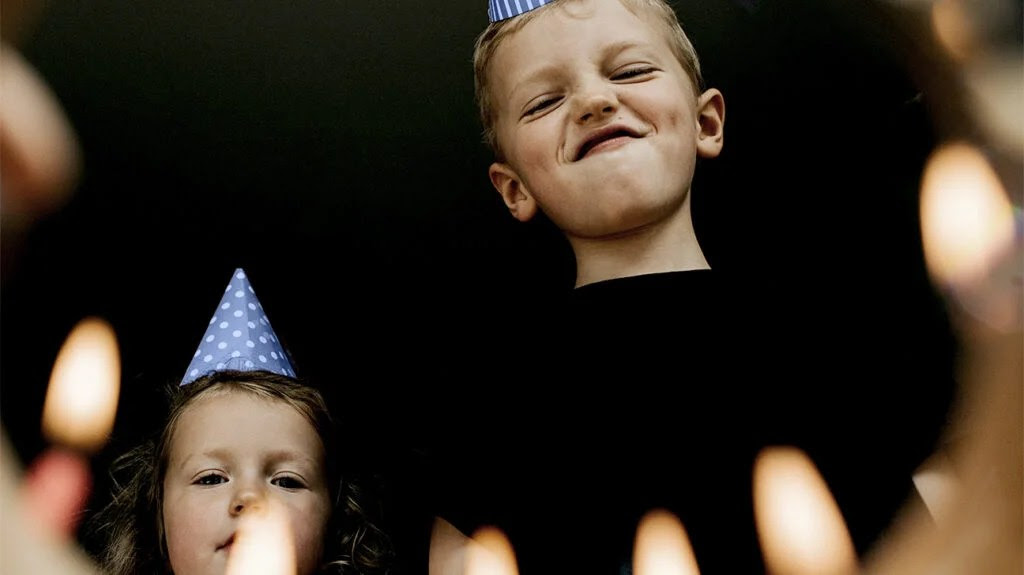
(239, 336)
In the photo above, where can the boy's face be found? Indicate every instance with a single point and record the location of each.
(230, 455)
(598, 121)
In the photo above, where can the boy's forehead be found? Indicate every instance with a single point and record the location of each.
(540, 35)
(550, 36)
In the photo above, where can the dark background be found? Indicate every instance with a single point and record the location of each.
(332, 150)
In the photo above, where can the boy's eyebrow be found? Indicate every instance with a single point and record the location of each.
(533, 77)
(622, 46)
(548, 70)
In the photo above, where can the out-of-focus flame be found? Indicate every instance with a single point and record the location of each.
(662, 547)
(263, 544)
(81, 400)
(954, 28)
(493, 554)
(799, 524)
(966, 219)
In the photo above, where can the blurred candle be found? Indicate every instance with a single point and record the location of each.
(662, 547)
(798, 522)
(263, 544)
(81, 400)
(78, 414)
(967, 221)
(493, 554)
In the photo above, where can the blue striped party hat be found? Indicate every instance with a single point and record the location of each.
(498, 10)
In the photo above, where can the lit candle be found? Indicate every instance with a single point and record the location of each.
(662, 547)
(799, 524)
(966, 219)
(78, 414)
(448, 548)
(967, 228)
(491, 555)
(263, 544)
(81, 400)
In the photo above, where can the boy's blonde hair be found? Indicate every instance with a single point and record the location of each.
(489, 40)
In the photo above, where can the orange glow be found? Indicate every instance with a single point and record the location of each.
(493, 555)
(953, 28)
(799, 524)
(966, 218)
(662, 547)
(81, 400)
(263, 544)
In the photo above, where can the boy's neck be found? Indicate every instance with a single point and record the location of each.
(666, 246)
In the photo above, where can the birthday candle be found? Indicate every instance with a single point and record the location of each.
(662, 547)
(81, 400)
(491, 555)
(799, 524)
(263, 544)
(78, 414)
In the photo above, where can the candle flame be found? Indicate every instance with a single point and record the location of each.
(492, 556)
(799, 524)
(81, 400)
(662, 547)
(954, 28)
(967, 222)
(263, 544)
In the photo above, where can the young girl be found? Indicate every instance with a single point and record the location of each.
(235, 439)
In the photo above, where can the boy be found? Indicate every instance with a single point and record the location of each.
(660, 381)
(596, 115)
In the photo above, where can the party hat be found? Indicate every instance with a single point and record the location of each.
(239, 336)
(498, 10)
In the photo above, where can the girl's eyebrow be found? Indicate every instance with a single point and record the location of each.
(219, 454)
(287, 455)
(273, 457)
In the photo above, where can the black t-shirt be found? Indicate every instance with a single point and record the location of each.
(624, 398)
(658, 391)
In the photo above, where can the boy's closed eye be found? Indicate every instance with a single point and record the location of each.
(634, 73)
(543, 104)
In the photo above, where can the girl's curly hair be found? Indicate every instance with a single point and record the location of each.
(130, 526)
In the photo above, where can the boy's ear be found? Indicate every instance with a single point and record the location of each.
(518, 199)
(710, 123)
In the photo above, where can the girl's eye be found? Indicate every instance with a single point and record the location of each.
(211, 479)
(631, 73)
(545, 103)
(288, 482)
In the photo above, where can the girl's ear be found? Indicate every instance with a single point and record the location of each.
(710, 123)
(517, 198)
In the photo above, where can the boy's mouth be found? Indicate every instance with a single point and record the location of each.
(227, 544)
(607, 137)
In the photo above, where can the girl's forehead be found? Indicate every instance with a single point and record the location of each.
(244, 417)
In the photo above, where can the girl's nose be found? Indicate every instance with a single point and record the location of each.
(247, 499)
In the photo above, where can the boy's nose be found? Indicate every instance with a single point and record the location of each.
(595, 105)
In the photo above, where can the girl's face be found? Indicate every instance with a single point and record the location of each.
(232, 453)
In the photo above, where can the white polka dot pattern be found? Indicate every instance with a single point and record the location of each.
(230, 341)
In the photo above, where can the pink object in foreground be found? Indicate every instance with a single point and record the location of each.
(55, 490)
